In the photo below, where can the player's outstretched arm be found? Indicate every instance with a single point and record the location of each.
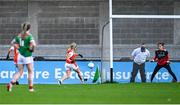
(80, 55)
(9, 51)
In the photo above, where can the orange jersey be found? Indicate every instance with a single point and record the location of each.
(70, 56)
(15, 53)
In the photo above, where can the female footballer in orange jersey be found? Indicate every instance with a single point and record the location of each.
(16, 53)
(71, 63)
(15, 50)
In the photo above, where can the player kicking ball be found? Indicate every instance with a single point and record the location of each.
(71, 63)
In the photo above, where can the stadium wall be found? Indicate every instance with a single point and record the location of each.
(56, 23)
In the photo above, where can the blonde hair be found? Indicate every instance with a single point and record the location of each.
(73, 45)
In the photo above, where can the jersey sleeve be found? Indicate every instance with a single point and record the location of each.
(133, 54)
(31, 40)
(12, 48)
(13, 41)
(148, 53)
(16, 40)
(167, 54)
(31, 37)
(155, 56)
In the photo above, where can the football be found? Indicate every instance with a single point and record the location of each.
(91, 65)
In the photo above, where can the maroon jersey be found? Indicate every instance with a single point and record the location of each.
(161, 56)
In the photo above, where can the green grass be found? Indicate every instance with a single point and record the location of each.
(146, 93)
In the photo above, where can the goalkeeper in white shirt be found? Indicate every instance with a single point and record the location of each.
(140, 55)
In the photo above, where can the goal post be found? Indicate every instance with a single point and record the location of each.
(107, 46)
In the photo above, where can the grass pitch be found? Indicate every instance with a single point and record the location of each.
(135, 93)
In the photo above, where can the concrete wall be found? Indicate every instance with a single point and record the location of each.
(12, 14)
(56, 23)
(62, 22)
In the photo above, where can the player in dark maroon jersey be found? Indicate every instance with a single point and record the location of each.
(162, 59)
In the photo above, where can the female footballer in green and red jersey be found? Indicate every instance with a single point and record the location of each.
(25, 44)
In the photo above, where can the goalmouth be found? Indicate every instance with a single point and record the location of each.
(107, 40)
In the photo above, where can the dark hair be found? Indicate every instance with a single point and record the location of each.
(161, 43)
(142, 43)
(143, 49)
(26, 26)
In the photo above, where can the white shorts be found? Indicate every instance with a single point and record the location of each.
(24, 60)
(71, 66)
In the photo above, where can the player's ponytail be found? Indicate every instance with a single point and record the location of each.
(73, 45)
(25, 27)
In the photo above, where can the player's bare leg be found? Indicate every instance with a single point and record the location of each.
(66, 76)
(15, 77)
(30, 76)
(16, 67)
(79, 75)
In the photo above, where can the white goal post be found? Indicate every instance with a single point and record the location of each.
(147, 16)
(111, 16)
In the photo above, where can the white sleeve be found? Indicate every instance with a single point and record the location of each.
(133, 53)
(13, 41)
(12, 48)
(33, 42)
(148, 53)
